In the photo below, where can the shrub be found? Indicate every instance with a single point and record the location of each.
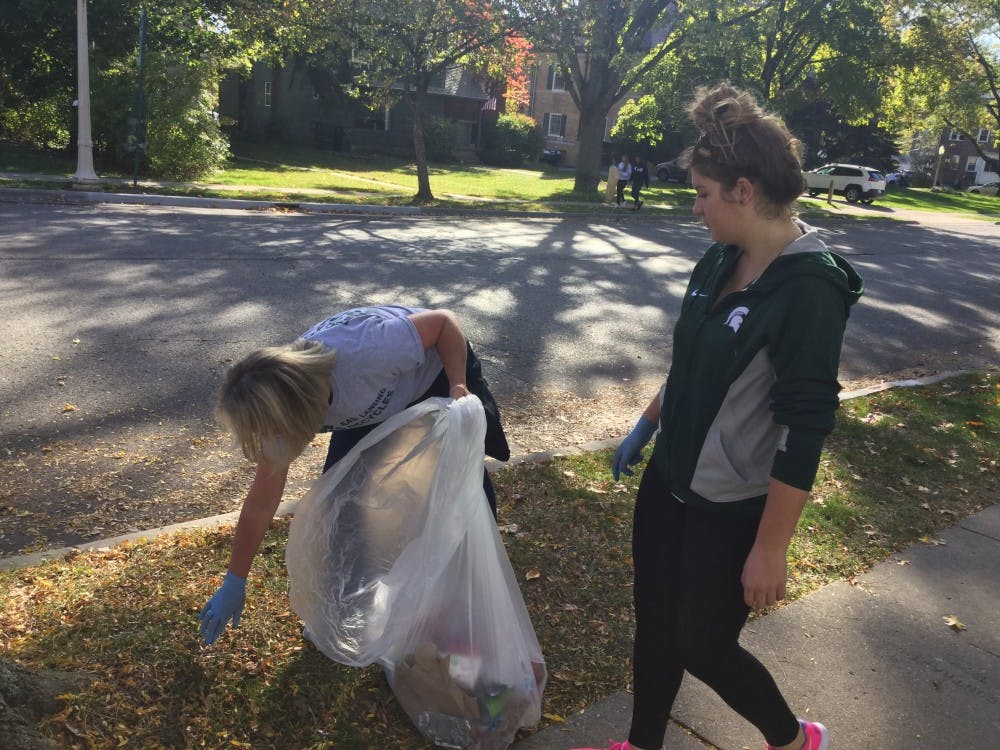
(440, 137)
(42, 124)
(510, 140)
(184, 138)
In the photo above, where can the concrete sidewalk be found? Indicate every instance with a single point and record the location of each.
(875, 661)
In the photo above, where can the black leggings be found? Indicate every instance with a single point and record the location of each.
(636, 192)
(620, 198)
(689, 612)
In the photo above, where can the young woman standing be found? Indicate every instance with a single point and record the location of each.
(749, 400)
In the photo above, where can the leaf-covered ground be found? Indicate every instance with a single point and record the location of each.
(902, 465)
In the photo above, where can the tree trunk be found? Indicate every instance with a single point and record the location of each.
(424, 194)
(591, 142)
(26, 696)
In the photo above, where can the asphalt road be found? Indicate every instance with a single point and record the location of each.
(117, 322)
(137, 310)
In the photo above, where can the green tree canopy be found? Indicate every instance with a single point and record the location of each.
(603, 50)
(951, 75)
(188, 42)
(799, 56)
(409, 43)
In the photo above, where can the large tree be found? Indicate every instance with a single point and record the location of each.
(953, 76)
(800, 56)
(603, 50)
(38, 63)
(410, 43)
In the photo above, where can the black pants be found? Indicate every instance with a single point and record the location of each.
(636, 192)
(342, 441)
(689, 612)
(621, 191)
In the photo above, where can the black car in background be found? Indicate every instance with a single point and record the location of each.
(669, 171)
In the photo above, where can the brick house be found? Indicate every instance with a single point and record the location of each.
(553, 107)
(961, 164)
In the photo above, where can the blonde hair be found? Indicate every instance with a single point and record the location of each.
(274, 400)
(740, 139)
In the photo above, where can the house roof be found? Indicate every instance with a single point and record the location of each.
(455, 81)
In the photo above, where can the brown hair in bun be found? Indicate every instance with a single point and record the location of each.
(740, 139)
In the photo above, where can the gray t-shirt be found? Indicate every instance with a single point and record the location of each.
(381, 365)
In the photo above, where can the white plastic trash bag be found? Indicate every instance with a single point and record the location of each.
(393, 557)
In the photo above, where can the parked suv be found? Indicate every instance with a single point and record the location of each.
(854, 182)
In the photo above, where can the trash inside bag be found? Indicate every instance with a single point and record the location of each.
(394, 558)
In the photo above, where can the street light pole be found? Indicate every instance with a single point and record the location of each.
(937, 169)
(84, 145)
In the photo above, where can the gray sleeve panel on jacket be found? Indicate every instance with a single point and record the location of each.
(739, 448)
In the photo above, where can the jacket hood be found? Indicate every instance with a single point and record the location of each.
(808, 255)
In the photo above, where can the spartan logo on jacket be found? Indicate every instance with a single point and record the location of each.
(736, 316)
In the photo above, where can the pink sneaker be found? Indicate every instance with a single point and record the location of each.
(817, 738)
(614, 746)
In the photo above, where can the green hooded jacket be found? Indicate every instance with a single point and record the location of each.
(752, 390)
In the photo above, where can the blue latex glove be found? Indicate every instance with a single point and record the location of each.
(225, 603)
(630, 450)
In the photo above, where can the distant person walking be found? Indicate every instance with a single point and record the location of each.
(639, 180)
(624, 176)
(612, 187)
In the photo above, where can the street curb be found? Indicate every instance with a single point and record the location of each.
(82, 197)
(85, 197)
(910, 383)
(286, 508)
(492, 465)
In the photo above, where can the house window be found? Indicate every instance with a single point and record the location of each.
(954, 161)
(554, 125)
(983, 136)
(556, 82)
(970, 164)
(467, 132)
(267, 93)
(954, 135)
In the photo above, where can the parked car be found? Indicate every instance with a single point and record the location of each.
(552, 156)
(669, 171)
(990, 188)
(899, 179)
(854, 182)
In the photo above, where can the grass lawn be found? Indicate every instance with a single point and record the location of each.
(901, 465)
(296, 174)
(917, 199)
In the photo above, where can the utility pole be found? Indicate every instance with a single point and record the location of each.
(84, 145)
(937, 169)
(135, 140)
